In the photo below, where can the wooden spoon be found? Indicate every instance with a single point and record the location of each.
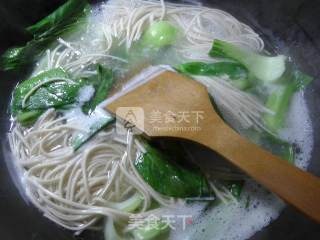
(179, 107)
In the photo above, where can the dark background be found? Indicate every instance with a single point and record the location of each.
(293, 23)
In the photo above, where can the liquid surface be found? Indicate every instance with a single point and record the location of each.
(256, 207)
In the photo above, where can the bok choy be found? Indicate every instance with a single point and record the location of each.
(59, 20)
(102, 83)
(65, 19)
(176, 180)
(147, 229)
(97, 125)
(151, 231)
(52, 88)
(233, 70)
(159, 34)
(279, 100)
(264, 68)
(26, 118)
(236, 72)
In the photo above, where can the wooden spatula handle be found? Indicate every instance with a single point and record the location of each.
(295, 186)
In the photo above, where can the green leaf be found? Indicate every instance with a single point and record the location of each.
(24, 87)
(17, 57)
(102, 83)
(29, 117)
(300, 80)
(96, 126)
(55, 95)
(235, 187)
(169, 178)
(278, 147)
(65, 19)
(62, 17)
(280, 98)
(235, 71)
(52, 88)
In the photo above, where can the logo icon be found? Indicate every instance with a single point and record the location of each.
(130, 119)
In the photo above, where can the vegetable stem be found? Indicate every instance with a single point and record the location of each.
(265, 68)
(65, 19)
(177, 180)
(236, 72)
(279, 100)
(151, 232)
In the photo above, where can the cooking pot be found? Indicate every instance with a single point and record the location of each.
(292, 25)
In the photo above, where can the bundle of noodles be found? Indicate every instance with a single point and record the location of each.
(125, 22)
(75, 189)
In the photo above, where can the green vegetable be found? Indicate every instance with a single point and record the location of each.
(146, 230)
(52, 88)
(247, 202)
(102, 83)
(61, 18)
(279, 100)
(29, 117)
(129, 205)
(110, 232)
(241, 84)
(265, 68)
(97, 126)
(235, 71)
(159, 34)
(278, 147)
(273, 144)
(65, 19)
(176, 180)
(235, 187)
(155, 231)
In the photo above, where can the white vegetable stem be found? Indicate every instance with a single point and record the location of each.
(265, 68)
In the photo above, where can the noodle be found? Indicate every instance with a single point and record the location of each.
(73, 188)
(76, 188)
(200, 25)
